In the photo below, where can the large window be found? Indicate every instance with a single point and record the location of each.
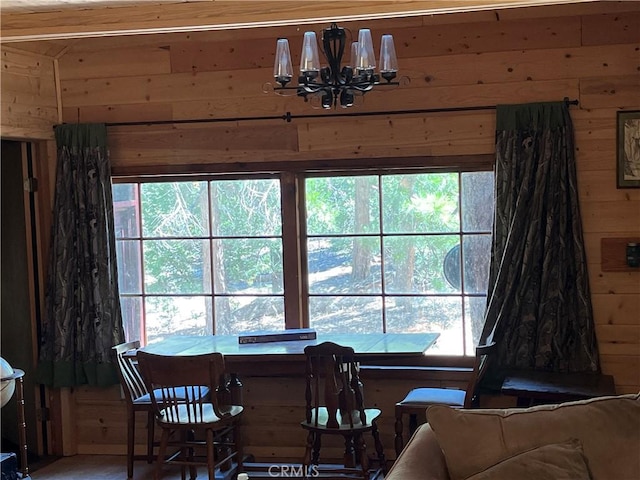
(199, 257)
(383, 252)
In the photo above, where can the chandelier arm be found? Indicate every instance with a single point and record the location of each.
(313, 87)
(365, 87)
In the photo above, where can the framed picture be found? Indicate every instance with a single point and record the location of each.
(628, 165)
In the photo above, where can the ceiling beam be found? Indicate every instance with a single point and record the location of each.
(146, 18)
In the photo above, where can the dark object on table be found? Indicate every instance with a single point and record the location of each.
(278, 336)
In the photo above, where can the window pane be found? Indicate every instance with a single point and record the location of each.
(175, 209)
(344, 265)
(126, 210)
(248, 314)
(338, 314)
(177, 266)
(477, 254)
(420, 203)
(169, 316)
(342, 205)
(246, 207)
(248, 265)
(131, 308)
(477, 201)
(474, 316)
(129, 268)
(416, 264)
(428, 314)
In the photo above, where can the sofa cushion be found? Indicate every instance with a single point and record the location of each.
(558, 461)
(421, 458)
(608, 427)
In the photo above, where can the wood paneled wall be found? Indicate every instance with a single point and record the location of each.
(589, 52)
(271, 422)
(29, 101)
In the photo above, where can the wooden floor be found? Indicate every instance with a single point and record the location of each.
(99, 467)
(112, 467)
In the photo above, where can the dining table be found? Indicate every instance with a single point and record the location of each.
(365, 345)
(287, 357)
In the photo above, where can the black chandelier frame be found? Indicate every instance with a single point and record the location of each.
(336, 84)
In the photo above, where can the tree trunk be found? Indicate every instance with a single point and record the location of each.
(361, 248)
(223, 320)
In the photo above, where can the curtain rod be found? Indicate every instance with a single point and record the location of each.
(288, 116)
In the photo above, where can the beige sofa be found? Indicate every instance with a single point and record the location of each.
(597, 439)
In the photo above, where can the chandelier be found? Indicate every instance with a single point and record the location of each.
(335, 84)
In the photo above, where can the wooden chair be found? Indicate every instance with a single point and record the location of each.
(138, 400)
(192, 414)
(418, 399)
(335, 406)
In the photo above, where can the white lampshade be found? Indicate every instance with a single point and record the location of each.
(310, 59)
(388, 58)
(7, 387)
(282, 69)
(366, 57)
(353, 59)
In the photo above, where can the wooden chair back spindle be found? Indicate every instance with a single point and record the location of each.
(175, 375)
(130, 376)
(333, 382)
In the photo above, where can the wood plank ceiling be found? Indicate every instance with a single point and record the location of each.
(28, 20)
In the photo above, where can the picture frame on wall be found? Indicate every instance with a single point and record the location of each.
(628, 149)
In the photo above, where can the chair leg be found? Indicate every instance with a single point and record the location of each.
(413, 423)
(379, 448)
(306, 460)
(183, 455)
(211, 462)
(361, 446)
(225, 451)
(162, 451)
(349, 452)
(317, 443)
(151, 421)
(237, 437)
(189, 438)
(131, 433)
(399, 441)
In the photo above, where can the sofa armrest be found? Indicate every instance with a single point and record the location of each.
(421, 458)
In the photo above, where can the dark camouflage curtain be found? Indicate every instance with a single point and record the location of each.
(82, 320)
(539, 305)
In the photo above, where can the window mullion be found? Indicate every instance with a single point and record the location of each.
(143, 297)
(383, 286)
(212, 293)
(294, 250)
(462, 266)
